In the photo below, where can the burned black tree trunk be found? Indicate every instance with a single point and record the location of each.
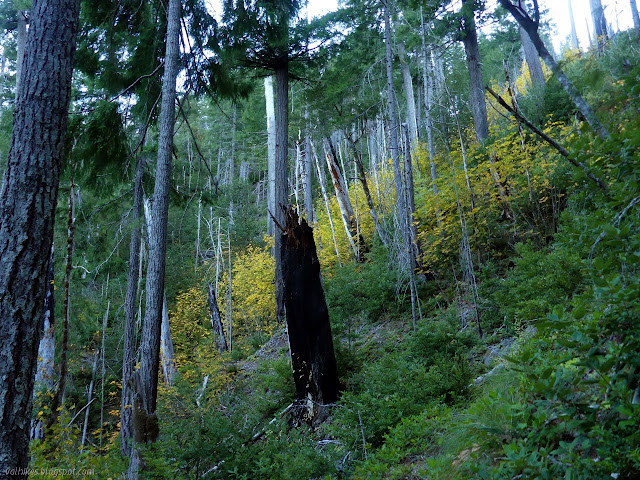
(312, 357)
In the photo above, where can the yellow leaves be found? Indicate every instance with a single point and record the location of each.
(253, 291)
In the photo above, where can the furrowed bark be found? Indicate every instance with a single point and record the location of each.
(27, 206)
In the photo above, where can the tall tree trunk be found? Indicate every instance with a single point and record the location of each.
(21, 33)
(532, 58)
(574, 33)
(405, 257)
(325, 197)
(271, 153)
(472, 52)
(281, 169)
(308, 170)
(599, 22)
(411, 206)
(27, 207)
(128, 361)
(315, 372)
(58, 397)
(409, 95)
(384, 238)
(145, 418)
(428, 85)
(634, 14)
(531, 27)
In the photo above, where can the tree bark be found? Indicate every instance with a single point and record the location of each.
(45, 373)
(145, 419)
(281, 169)
(128, 361)
(166, 346)
(21, 33)
(315, 372)
(599, 22)
(409, 95)
(308, 171)
(532, 58)
(531, 27)
(271, 153)
(476, 83)
(27, 207)
(428, 85)
(216, 319)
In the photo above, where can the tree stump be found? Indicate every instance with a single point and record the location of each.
(312, 356)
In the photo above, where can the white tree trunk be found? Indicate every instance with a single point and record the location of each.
(271, 153)
(409, 95)
(574, 34)
(532, 58)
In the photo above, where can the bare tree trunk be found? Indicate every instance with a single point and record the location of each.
(326, 204)
(315, 372)
(128, 361)
(532, 58)
(271, 153)
(45, 372)
(474, 65)
(27, 211)
(531, 27)
(166, 346)
(634, 14)
(410, 96)
(574, 34)
(281, 173)
(428, 85)
(58, 398)
(145, 418)
(216, 319)
(405, 257)
(342, 196)
(599, 23)
(308, 171)
(89, 399)
(384, 238)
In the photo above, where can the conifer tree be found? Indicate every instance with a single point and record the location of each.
(29, 195)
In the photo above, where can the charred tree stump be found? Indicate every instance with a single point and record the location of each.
(312, 356)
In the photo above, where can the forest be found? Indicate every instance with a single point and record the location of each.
(396, 241)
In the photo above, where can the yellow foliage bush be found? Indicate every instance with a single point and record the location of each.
(254, 291)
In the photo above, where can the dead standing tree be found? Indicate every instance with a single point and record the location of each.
(312, 356)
